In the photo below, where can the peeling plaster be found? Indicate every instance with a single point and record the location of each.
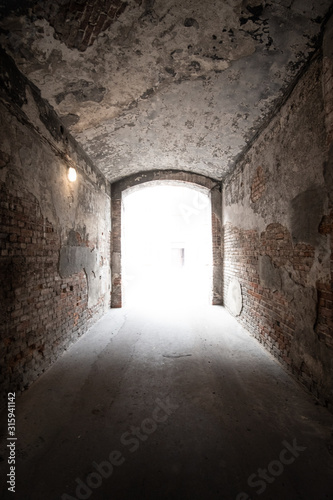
(235, 61)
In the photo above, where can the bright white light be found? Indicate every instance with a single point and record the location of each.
(71, 174)
(166, 246)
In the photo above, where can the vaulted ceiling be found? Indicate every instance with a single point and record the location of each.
(162, 84)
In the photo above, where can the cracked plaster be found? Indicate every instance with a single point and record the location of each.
(169, 85)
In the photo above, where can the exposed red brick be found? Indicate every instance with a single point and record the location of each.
(38, 319)
(77, 24)
(324, 324)
(258, 185)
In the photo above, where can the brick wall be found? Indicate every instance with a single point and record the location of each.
(327, 80)
(41, 313)
(37, 306)
(77, 23)
(324, 323)
(271, 314)
(44, 304)
(278, 234)
(258, 185)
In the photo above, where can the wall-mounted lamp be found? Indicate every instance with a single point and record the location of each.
(71, 174)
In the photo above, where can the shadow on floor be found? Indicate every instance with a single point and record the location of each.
(170, 404)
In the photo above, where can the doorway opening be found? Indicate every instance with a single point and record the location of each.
(166, 245)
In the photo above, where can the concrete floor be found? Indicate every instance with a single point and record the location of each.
(184, 403)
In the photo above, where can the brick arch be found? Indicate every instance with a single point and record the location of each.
(157, 177)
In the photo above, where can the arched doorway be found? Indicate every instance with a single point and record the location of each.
(166, 244)
(185, 178)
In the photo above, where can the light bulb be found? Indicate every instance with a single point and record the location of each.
(71, 174)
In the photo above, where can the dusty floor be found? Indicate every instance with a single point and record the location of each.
(170, 404)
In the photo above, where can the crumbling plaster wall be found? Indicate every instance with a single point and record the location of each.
(54, 236)
(162, 84)
(278, 231)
